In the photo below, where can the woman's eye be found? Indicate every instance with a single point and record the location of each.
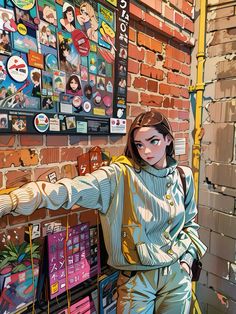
(139, 145)
(155, 142)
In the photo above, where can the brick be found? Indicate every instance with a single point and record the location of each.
(7, 140)
(225, 88)
(49, 155)
(152, 86)
(156, 46)
(23, 157)
(232, 273)
(144, 40)
(29, 140)
(132, 97)
(189, 25)
(72, 219)
(90, 216)
(172, 64)
(172, 114)
(136, 110)
(169, 13)
(17, 220)
(179, 19)
(136, 52)
(39, 214)
(99, 140)
(221, 49)
(150, 100)
(225, 224)
(223, 36)
(187, 8)
(167, 103)
(204, 235)
(152, 22)
(164, 89)
(132, 34)
(70, 154)
(128, 80)
(221, 174)
(42, 174)
(58, 212)
(118, 139)
(69, 171)
(140, 82)
(173, 78)
(17, 178)
(183, 126)
(185, 104)
(183, 115)
(180, 37)
(175, 53)
(218, 136)
(3, 224)
(17, 231)
(150, 57)
(221, 24)
(177, 3)
(135, 12)
(79, 139)
(224, 111)
(133, 66)
(222, 285)
(226, 69)
(222, 246)
(184, 93)
(56, 140)
(216, 201)
(175, 91)
(152, 72)
(224, 12)
(186, 69)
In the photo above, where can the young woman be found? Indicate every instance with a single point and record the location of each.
(73, 85)
(68, 20)
(148, 222)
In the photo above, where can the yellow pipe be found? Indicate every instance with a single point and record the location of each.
(200, 86)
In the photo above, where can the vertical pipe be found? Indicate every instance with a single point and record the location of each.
(200, 86)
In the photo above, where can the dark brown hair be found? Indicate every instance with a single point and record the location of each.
(154, 119)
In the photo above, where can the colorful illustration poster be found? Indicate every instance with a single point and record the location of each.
(67, 58)
(107, 294)
(75, 253)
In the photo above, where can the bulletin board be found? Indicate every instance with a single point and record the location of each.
(63, 66)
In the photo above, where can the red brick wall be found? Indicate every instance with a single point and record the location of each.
(159, 69)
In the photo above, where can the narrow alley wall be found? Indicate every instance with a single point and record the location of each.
(159, 70)
(217, 214)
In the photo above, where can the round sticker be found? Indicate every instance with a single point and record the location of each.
(77, 101)
(81, 42)
(24, 5)
(41, 122)
(36, 21)
(17, 68)
(97, 99)
(107, 101)
(22, 29)
(51, 61)
(87, 106)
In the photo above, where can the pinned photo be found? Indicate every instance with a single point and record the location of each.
(3, 121)
(70, 123)
(5, 44)
(73, 86)
(47, 34)
(47, 11)
(7, 20)
(59, 82)
(35, 76)
(86, 16)
(27, 18)
(18, 123)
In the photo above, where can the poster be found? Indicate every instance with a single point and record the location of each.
(107, 294)
(65, 59)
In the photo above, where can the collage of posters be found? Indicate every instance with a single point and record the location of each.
(63, 65)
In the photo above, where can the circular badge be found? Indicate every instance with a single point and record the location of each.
(77, 101)
(87, 106)
(97, 99)
(107, 101)
(17, 69)
(22, 29)
(41, 122)
(51, 61)
(36, 21)
(24, 5)
(81, 42)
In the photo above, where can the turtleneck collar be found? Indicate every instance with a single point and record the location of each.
(171, 166)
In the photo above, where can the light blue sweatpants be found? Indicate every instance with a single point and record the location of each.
(164, 291)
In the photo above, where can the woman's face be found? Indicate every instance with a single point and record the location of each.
(74, 84)
(70, 16)
(151, 145)
(85, 14)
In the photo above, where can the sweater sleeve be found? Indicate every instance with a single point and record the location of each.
(92, 191)
(197, 249)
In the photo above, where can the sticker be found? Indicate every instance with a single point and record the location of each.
(87, 106)
(35, 59)
(97, 99)
(118, 125)
(99, 111)
(107, 101)
(82, 127)
(120, 112)
(18, 123)
(51, 61)
(7, 20)
(54, 125)
(22, 29)
(77, 101)
(24, 5)
(81, 42)
(113, 2)
(36, 21)
(88, 91)
(3, 121)
(66, 108)
(41, 122)
(17, 68)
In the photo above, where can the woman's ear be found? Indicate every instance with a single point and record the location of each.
(168, 139)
